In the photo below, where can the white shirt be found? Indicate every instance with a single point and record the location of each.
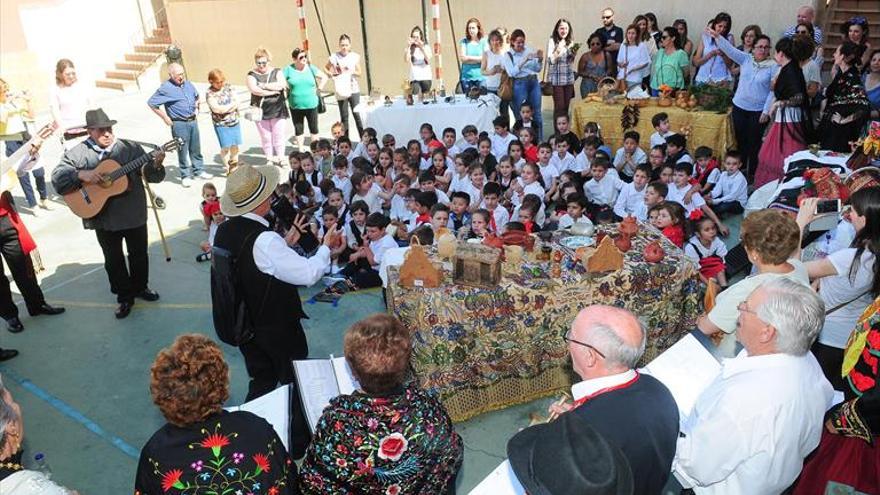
(374, 202)
(658, 139)
(603, 192)
(731, 188)
(641, 212)
(589, 387)
(567, 162)
(533, 188)
(275, 258)
(549, 173)
(566, 221)
(350, 237)
(348, 63)
(499, 144)
(634, 56)
(393, 257)
(476, 195)
(343, 184)
(629, 200)
(379, 247)
(752, 427)
(677, 194)
(442, 198)
(839, 289)
(459, 182)
(695, 249)
(629, 169)
(398, 209)
(500, 215)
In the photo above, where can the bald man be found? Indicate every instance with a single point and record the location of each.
(806, 15)
(635, 412)
(181, 101)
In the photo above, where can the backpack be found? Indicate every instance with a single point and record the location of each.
(228, 307)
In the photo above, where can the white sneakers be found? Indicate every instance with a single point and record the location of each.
(186, 182)
(204, 175)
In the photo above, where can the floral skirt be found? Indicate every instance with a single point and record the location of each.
(783, 140)
(841, 465)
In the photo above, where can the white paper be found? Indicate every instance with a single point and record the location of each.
(274, 407)
(686, 369)
(345, 381)
(317, 385)
(501, 481)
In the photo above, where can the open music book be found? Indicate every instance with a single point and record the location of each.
(686, 369)
(319, 381)
(501, 481)
(274, 407)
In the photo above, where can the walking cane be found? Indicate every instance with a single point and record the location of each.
(165, 247)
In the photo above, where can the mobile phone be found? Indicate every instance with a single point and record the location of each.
(828, 206)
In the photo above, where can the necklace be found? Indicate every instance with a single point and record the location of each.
(11, 465)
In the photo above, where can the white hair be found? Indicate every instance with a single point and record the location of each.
(7, 415)
(618, 353)
(174, 65)
(795, 311)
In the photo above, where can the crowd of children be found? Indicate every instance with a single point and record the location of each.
(475, 184)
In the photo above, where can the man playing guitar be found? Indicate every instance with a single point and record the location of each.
(124, 217)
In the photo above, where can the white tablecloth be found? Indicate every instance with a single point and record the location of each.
(403, 121)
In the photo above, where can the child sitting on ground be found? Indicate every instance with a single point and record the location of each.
(629, 156)
(296, 172)
(459, 216)
(655, 193)
(478, 227)
(706, 171)
(678, 192)
(660, 121)
(708, 251)
(670, 220)
(576, 207)
(209, 197)
(439, 219)
(730, 194)
(632, 195)
(217, 217)
(601, 191)
(363, 264)
(498, 214)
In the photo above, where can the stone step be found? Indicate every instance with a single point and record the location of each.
(135, 66)
(113, 84)
(141, 57)
(157, 49)
(162, 32)
(157, 40)
(128, 75)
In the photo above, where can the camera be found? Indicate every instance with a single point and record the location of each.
(284, 218)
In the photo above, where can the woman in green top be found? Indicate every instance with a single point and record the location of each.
(670, 62)
(472, 47)
(304, 82)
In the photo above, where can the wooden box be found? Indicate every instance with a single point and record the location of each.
(476, 265)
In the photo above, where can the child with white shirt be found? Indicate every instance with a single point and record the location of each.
(515, 155)
(340, 177)
(655, 193)
(588, 152)
(629, 156)
(498, 215)
(632, 195)
(706, 169)
(576, 208)
(459, 178)
(452, 150)
(474, 188)
(527, 183)
(731, 192)
(708, 251)
(679, 189)
(502, 136)
(343, 148)
(549, 172)
(363, 264)
(427, 183)
(660, 121)
(602, 189)
(562, 160)
(364, 189)
(470, 137)
(399, 211)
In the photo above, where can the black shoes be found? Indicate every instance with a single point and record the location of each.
(7, 354)
(123, 309)
(148, 295)
(46, 309)
(14, 325)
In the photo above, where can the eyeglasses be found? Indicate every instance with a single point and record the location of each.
(568, 339)
(741, 307)
(302, 57)
(265, 62)
(607, 16)
(664, 37)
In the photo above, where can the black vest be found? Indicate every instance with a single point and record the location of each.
(271, 303)
(642, 420)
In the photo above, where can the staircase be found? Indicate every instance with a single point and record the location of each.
(840, 11)
(125, 74)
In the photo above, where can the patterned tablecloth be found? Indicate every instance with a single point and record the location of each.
(487, 349)
(707, 128)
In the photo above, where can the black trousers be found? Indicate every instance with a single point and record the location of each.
(267, 359)
(22, 272)
(727, 208)
(748, 131)
(831, 361)
(126, 281)
(344, 105)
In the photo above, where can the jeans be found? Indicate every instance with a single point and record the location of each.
(25, 179)
(191, 151)
(352, 101)
(126, 281)
(749, 132)
(727, 208)
(528, 90)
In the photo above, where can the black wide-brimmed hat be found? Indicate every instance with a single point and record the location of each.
(96, 119)
(568, 457)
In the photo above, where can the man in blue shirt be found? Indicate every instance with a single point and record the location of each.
(181, 101)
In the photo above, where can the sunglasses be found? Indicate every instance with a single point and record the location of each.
(568, 339)
(263, 63)
(302, 57)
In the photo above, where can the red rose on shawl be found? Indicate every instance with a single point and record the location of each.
(273, 491)
(392, 447)
(873, 339)
(262, 463)
(675, 233)
(171, 479)
(861, 382)
(215, 442)
(393, 490)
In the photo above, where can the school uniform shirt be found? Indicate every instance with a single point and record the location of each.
(374, 202)
(499, 217)
(567, 162)
(533, 188)
(581, 162)
(464, 145)
(566, 221)
(453, 151)
(379, 248)
(499, 144)
(628, 200)
(442, 198)
(459, 182)
(676, 194)
(731, 188)
(695, 249)
(398, 209)
(658, 139)
(314, 177)
(519, 165)
(343, 184)
(549, 172)
(641, 212)
(350, 236)
(603, 192)
(629, 170)
(475, 194)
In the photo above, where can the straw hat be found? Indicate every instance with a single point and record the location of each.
(246, 188)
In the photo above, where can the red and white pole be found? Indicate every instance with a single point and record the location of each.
(438, 57)
(302, 25)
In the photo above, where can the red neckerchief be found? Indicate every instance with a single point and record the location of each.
(420, 219)
(605, 390)
(529, 225)
(492, 226)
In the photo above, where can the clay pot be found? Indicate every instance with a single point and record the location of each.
(628, 226)
(653, 252)
(623, 242)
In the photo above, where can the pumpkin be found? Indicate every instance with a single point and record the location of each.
(653, 252)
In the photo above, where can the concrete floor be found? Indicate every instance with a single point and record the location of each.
(82, 378)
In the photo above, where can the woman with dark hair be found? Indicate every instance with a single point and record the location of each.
(669, 63)
(687, 45)
(471, 49)
(713, 66)
(653, 27)
(202, 447)
(68, 102)
(305, 82)
(389, 436)
(871, 82)
(594, 65)
(344, 67)
(524, 64)
(645, 36)
(807, 29)
(856, 30)
(792, 127)
(492, 67)
(560, 56)
(846, 104)
(748, 37)
(633, 59)
(419, 59)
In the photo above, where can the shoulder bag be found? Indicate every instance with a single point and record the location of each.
(505, 84)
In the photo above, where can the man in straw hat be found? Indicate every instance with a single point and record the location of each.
(269, 272)
(124, 217)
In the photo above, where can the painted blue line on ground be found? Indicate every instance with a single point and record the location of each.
(71, 412)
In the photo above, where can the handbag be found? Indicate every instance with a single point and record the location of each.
(546, 87)
(322, 108)
(254, 113)
(505, 85)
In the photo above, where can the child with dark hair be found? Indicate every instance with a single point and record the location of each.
(478, 227)
(670, 220)
(531, 213)
(388, 141)
(549, 173)
(528, 137)
(427, 183)
(357, 227)
(492, 203)
(629, 156)
(588, 153)
(563, 133)
(505, 174)
(439, 219)
(660, 122)
(681, 187)
(471, 137)
(730, 194)
(424, 201)
(708, 251)
(306, 198)
(323, 156)
(343, 148)
(676, 150)
(632, 195)
(459, 216)
(576, 209)
(296, 172)
(363, 264)
(485, 158)
(602, 189)
(656, 159)
(414, 151)
(655, 193)
(442, 173)
(449, 140)
(706, 171)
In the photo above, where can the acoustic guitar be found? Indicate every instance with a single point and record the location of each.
(89, 200)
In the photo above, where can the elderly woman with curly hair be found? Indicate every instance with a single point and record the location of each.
(204, 449)
(388, 437)
(771, 240)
